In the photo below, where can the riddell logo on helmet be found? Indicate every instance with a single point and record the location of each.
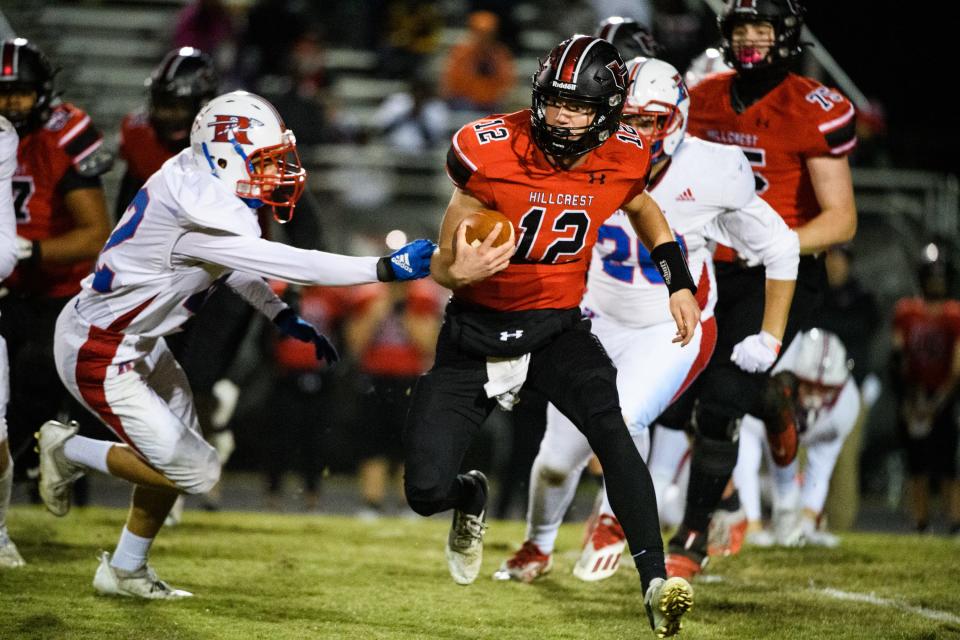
(564, 85)
(239, 125)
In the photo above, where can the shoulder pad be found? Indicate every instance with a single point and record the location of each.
(95, 164)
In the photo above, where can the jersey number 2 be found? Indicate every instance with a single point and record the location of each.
(103, 276)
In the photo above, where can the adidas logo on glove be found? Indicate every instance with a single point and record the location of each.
(402, 261)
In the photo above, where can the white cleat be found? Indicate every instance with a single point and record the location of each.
(57, 474)
(817, 537)
(10, 558)
(142, 583)
(666, 601)
(601, 555)
(760, 538)
(464, 549)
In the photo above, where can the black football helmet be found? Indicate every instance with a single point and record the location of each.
(631, 38)
(786, 16)
(181, 84)
(580, 69)
(24, 68)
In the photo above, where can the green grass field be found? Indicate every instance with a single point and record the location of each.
(276, 577)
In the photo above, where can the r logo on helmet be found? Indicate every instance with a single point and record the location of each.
(239, 125)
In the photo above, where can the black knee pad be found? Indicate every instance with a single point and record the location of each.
(594, 394)
(715, 422)
(716, 457)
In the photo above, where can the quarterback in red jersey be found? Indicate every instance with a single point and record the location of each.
(62, 222)
(796, 133)
(557, 172)
(926, 357)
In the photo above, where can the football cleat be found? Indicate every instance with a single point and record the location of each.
(464, 549)
(57, 474)
(780, 421)
(760, 538)
(526, 565)
(686, 553)
(142, 583)
(788, 527)
(666, 601)
(10, 558)
(726, 533)
(817, 537)
(601, 555)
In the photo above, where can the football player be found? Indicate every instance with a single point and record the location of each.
(815, 368)
(190, 228)
(9, 555)
(62, 222)
(557, 172)
(631, 38)
(796, 133)
(926, 368)
(184, 81)
(706, 193)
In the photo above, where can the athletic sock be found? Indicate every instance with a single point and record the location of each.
(131, 553)
(88, 452)
(472, 497)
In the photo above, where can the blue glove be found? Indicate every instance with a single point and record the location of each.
(290, 324)
(409, 262)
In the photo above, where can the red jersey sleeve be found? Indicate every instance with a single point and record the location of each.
(80, 141)
(951, 313)
(905, 310)
(831, 120)
(465, 159)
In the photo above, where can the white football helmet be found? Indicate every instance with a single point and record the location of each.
(242, 140)
(655, 89)
(821, 368)
(706, 64)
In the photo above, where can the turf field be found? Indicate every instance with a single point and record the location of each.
(276, 577)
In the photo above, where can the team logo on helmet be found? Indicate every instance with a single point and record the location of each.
(223, 126)
(618, 72)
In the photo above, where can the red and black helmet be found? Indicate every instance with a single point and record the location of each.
(24, 68)
(184, 81)
(786, 16)
(631, 38)
(582, 69)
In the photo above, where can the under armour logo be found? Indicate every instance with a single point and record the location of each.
(238, 125)
(506, 335)
(598, 177)
(402, 261)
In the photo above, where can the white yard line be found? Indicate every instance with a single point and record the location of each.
(869, 598)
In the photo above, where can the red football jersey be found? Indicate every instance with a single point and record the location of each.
(930, 333)
(140, 146)
(556, 214)
(44, 158)
(799, 119)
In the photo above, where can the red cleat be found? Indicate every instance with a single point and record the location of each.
(727, 532)
(601, 554)
(781, 421)
(681, 566)
(687, 555)
(526, 565)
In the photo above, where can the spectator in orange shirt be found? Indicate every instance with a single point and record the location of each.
(479, 72)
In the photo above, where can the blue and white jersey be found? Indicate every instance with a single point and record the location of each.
(185, 232)
(706, 194)
(9, 141)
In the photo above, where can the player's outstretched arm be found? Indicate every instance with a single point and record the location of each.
(458, 263)
(303, 266)
(837, 221)
(652, 229)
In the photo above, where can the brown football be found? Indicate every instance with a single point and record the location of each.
(481, 223)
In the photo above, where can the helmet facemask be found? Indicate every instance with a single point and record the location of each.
(784, 17)
(568, 142)
(666, 119)
(25, 71)
(276, 177)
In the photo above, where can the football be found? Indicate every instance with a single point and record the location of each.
(481, 223)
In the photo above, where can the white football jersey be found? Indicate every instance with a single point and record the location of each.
(185, 232)
(9, 141)
(706, 193)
